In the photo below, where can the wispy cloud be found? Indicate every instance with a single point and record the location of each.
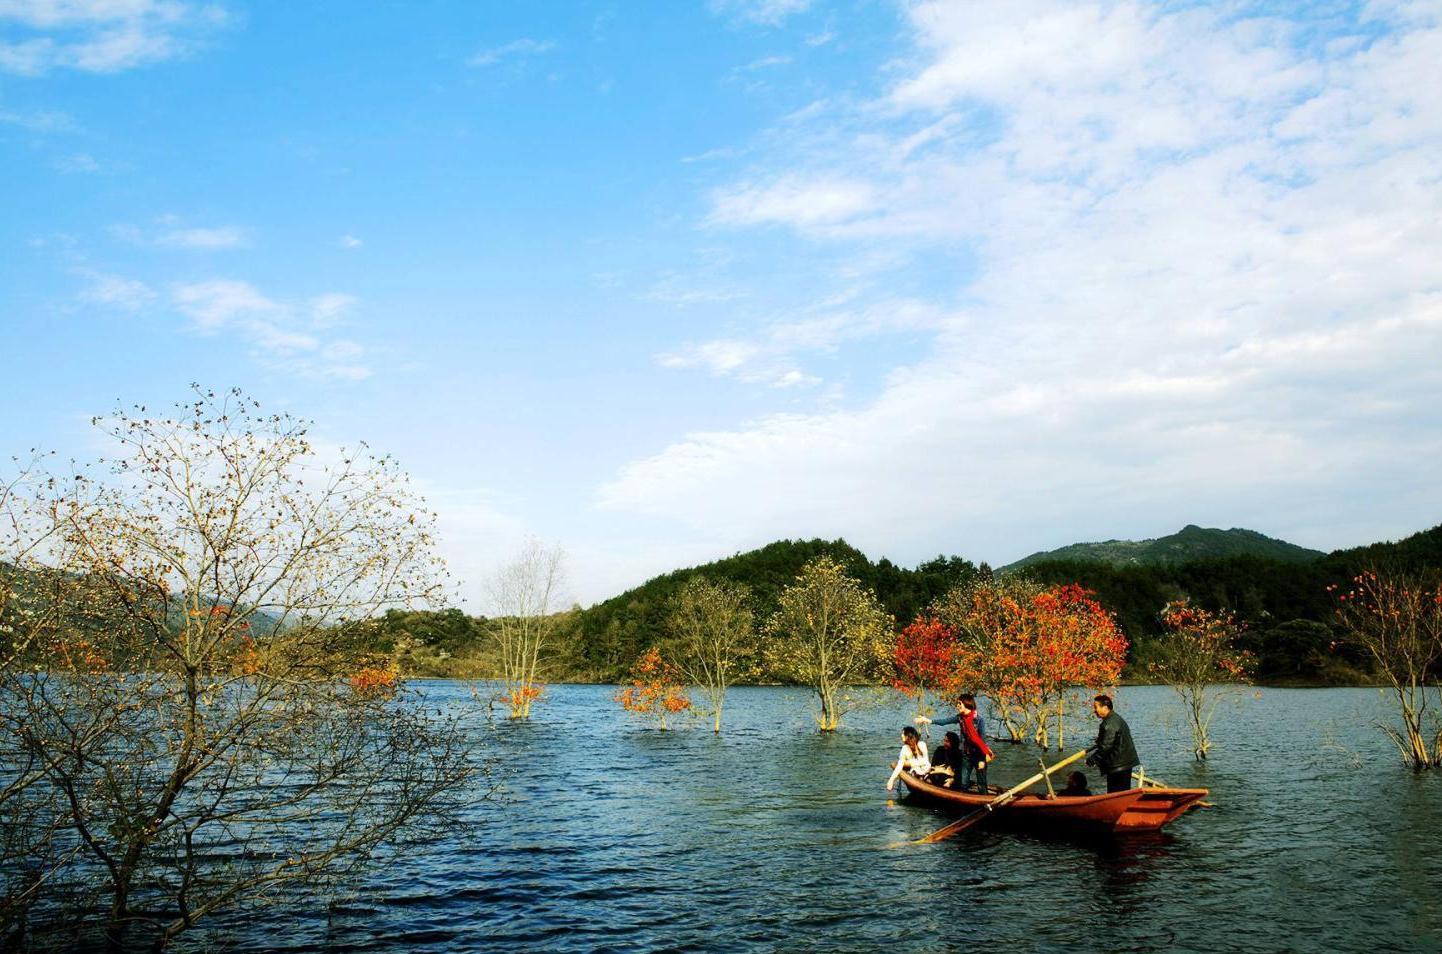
(77, 163)
(765, 12)
(116, 291)
(40, 121)
(101, 36)
(1205, 286)
(516, 49)
(349, 241)
(289, 335)
(167, 234)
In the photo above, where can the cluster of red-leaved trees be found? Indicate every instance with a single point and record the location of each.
(1026, 647)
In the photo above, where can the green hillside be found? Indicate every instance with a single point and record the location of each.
(1189, 544)
(608, 636)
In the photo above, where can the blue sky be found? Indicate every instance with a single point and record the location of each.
(661, 282)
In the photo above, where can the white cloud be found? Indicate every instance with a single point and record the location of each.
(116, 291)
(77, 163)
(769, 356)
(283, 334)
(215, 238)
(167, 234)
(765, 12)
(101, 36)
(350, 241)
(40, 122)
(516, 49)
(813, 204)
(1206, 289)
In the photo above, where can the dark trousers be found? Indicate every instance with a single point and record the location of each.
(969, 768)
(1120, 780)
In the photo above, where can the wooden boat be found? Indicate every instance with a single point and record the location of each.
(1133, 811)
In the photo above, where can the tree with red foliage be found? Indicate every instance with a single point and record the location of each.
(924, 659)
(1026, 647)
(1200, 659)
(655, 690)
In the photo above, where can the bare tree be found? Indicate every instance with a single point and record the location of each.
(1398, 620)
(524, 594)
(194, 713)
(714, 637)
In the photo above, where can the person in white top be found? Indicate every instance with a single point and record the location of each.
(913, 757)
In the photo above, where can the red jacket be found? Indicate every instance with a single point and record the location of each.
(970, 735)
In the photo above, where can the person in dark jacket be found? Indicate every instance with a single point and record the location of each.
(1114, 755)
(946, 762)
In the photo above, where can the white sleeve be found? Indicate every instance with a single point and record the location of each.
(896, 772)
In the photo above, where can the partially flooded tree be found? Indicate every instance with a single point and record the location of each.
(654, 690)
(924, 660)
(524, 594)
(829, 633)
(1398, 621)
(1198, 657)
(33, 600)
(1027, 647)
(713, 634)
(191, 710)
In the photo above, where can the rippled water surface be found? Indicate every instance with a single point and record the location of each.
(612, 836)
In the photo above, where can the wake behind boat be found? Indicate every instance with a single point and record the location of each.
(1134, 811)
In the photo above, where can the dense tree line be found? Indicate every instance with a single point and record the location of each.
(1284, 606)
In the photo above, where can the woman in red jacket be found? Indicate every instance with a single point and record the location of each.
(975, 752)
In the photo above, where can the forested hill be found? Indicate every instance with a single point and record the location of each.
(1186, 545)
(1283, 604)
(611, 634)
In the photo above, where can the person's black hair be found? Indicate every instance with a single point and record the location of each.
(954, 739)
(969, 699)
(1076, 780)
(909, 732)
(1105, 700)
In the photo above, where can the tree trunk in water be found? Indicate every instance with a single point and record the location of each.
(1060, 729)
(829, 716)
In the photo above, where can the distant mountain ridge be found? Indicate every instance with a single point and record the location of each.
(1190, 543)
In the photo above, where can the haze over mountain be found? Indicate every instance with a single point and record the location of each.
(1190, 543)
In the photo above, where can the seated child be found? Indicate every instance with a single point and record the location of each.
(1076, 785)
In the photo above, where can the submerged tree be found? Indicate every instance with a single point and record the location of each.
(191, 708)
(1198, 657)
(1026, 647)
(655, 690)
(524, 594)
(713, 632)
(828, 633)
(1398, 621)
(924, 660)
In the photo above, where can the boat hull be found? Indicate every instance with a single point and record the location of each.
(1134, 811)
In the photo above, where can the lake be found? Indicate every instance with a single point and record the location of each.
(614, 837)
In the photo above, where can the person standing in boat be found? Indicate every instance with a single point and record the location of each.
(975, 753)
(913, 757)
(1114, 754)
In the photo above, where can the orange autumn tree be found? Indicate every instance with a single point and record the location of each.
(923, 659)
(1027, 647)
(1080, 645)
(1198, 657)
(655, 690)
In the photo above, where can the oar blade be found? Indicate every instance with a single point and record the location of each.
(960, 825)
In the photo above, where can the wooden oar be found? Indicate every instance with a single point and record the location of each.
(965, 822)
(1144, 780)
